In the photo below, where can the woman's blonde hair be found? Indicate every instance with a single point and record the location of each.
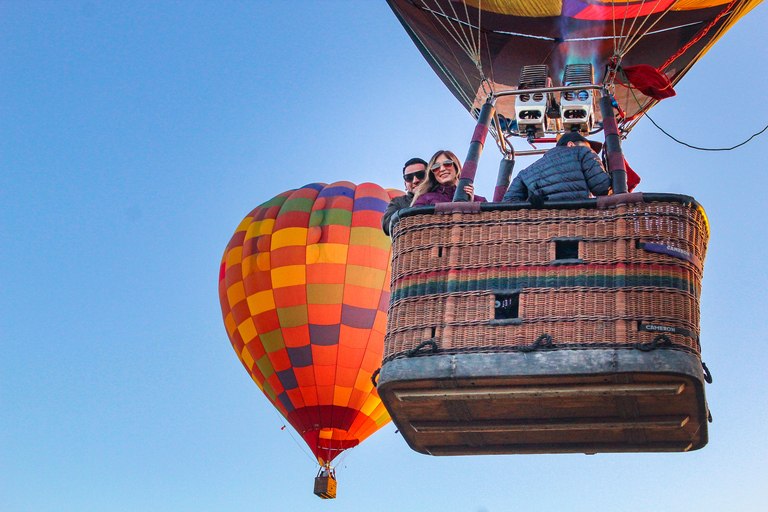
(431, 182)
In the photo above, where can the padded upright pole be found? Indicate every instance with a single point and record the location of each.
(469, 169)
(613, 147)
(506, 166)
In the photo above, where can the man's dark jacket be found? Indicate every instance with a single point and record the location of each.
(398, 203)
(563, 173)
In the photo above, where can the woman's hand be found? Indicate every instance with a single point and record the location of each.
(470, 190)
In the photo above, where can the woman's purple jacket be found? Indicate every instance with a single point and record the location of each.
(442, 194)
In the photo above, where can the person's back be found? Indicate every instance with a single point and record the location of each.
(569, 171)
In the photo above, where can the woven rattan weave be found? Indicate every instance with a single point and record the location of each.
(570, 328)
(636, 273)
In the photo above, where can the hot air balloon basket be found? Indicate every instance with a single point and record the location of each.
(325, 487)
(576, 317)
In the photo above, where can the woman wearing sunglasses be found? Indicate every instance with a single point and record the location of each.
(443, 172)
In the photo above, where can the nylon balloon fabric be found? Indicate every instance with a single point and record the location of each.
(304, 291)
(467, 41)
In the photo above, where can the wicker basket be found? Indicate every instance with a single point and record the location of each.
(571, 328)
(448, 271)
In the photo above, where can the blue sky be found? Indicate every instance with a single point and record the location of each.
(134, 137)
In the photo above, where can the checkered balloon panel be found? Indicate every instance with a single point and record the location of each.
(304, 290)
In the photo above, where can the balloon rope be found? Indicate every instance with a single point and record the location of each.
(459, 36)
(623, 23)
(466, 42)
(705, 149)
(625, 39)
(630, 36)
(639, 36)
(470, 39)
(479, 35)
(488, 51)
(474, 46)
(697, 38)
(451, 29)
(303, 448)
(437, 63)
(645, 112)
(613, 22)
(343, 457)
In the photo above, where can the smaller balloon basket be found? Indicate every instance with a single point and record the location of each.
(572, 328)
(325, 483)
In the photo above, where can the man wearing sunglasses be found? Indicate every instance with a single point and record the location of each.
(414, 173)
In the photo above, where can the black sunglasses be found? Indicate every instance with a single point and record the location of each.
(419, 175)
(447, 163)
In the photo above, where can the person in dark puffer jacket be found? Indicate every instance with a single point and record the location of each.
(569, 171)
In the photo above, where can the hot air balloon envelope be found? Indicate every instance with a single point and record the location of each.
(471, 40)
(304, 289)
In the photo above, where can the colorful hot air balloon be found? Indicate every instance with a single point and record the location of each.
(478, 45)
(304, 289)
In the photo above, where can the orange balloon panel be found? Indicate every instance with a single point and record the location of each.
(304, 285)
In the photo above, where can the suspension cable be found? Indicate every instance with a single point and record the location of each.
(632, 33)
(629, 36)
(470, 40)
(700, 148)
(696, 39)
(638, 37)
(302, 447)
(613, 22)
(436, 61)
(623, 24)
(645, 112)
(459, 38)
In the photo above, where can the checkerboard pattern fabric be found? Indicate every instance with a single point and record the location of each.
(304, 290)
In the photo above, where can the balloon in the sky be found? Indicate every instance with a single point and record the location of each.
(468, 40)
(304, 290)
